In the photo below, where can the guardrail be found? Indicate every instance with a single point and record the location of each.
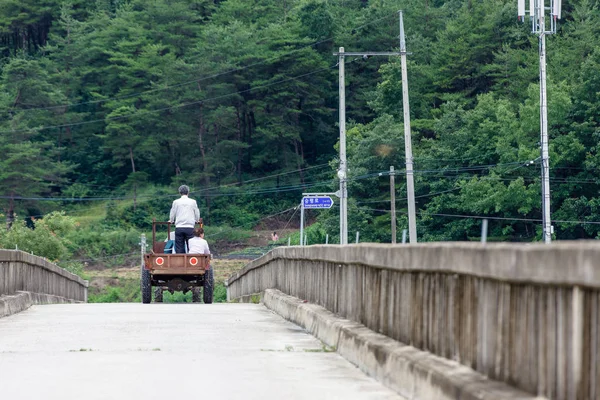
(20, 271)
(526, 315)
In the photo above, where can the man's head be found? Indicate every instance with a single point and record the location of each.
(199, 232)
(184, 190)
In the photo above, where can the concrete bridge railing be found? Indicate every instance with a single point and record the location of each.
(525, 315)
(29, 279)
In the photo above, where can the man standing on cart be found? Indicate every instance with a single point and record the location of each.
(184, 214)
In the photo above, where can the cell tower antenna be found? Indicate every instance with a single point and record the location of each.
(537, 12)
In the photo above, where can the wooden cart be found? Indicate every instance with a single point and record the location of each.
(175, 272)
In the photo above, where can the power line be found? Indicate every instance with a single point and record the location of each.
(416, 197)
(266, 189)
(198, 192)
(514, 219)
(263, 178)
(289, 220)
(252, 222)
(427, 159)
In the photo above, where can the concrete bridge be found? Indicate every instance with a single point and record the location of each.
(428, 321)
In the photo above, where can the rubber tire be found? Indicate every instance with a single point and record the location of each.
(146, 286)
(196, 295)
(209, 284)
(158, 295)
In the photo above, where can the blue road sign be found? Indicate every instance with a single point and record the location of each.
(317, 202)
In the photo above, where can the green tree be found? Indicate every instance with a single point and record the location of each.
(32, 165)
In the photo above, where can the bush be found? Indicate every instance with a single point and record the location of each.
(315, 234)
(48, 238)
(234, 215)
(226, 233)
(90, 242)
(220, 293)
(128, 291)
(177, 297)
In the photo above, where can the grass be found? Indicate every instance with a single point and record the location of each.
(128, 291)
(255, 299)
(252, 251)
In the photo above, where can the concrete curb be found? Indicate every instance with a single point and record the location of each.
(414, 374)
(21, 301)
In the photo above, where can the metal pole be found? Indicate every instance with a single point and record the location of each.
(484, 230)
(289, 241)
(142, 248)
(410, 184)
(546, 221)
(343, 171)
(357, 236)
(301, 221)
(327, 238)
(403, 236)
(393, 202)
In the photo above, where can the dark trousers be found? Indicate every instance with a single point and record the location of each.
(182, 235)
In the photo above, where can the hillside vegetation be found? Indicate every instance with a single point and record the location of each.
(108, 105)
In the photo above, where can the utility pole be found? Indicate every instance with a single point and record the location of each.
(410, 183)
(544, 131)
(343, 170)
(537, 12)
(393, 202)
(142, 248)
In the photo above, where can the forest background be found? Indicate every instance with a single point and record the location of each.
(107, 106)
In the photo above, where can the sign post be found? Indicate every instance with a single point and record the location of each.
(313, 200)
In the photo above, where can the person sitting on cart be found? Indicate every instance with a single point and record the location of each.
(197, 244)
(170, 243)
(184, 214)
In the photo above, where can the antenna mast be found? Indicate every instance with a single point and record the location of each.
(537, 12)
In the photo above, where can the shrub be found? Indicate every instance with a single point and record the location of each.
(47, 239)
(94, 243)
(219, 293)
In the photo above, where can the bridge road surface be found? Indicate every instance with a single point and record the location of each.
(170, 351)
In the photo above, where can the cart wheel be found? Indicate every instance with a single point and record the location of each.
(146, 286)
(209, 284)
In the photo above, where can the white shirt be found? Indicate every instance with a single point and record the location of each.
(184, 212)
(198, 246)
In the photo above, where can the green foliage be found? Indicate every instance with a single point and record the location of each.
(142, 117)
(93, 242)
(315, 234)
(224, 232)
(219, 293)
(48, 239)
(177, 297)
(128, 291)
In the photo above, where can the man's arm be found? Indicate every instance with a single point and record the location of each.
(173, 212)
(196, 212)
